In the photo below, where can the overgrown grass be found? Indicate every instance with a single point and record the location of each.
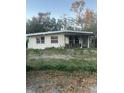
(83, 51)
(63, 65)
(34, 51)
(71, 65)
(47, 50)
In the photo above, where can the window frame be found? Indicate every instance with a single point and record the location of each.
(54, 39)
(42, 39)
(37, 40)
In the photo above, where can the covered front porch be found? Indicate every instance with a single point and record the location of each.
(77, 41)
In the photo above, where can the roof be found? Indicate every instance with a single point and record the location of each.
(57, 32)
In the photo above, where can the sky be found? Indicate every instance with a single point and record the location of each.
(57, 8)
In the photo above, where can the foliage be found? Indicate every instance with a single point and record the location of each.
(85, 20)
(60, 51)
(43, 23)
(34, 51)
(89, 19)
(78, 7)
(33, 26)
(77, 63)
(63, 65)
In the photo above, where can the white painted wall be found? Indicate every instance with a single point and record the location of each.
(32, 42)
(66, 40)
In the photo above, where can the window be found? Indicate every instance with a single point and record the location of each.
(37, 40)
(54, 39)
(42, 40)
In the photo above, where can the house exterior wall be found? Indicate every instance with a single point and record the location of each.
(66, 40)
(32, 42)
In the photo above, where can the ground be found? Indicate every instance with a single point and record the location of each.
(61, 71)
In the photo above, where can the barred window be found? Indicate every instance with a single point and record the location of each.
(42, 40)
(37, 40)
(54, 39)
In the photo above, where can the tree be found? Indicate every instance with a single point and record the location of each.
(77, 7)
(33, 26)
(90, 24)
(89, 20)
(41, 23)
(53, 24)
(59, 24)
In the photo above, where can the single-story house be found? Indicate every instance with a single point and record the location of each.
(65, 38)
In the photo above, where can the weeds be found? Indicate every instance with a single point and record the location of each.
(70, 66)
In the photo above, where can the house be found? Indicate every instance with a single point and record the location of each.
(65, 38)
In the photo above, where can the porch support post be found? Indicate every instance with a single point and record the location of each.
(88, 43)
(81, 42)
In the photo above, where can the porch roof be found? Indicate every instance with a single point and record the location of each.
(68, 32)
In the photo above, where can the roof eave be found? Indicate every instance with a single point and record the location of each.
(57, 32)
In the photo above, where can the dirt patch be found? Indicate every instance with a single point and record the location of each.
(59, 82)
(89, 55)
